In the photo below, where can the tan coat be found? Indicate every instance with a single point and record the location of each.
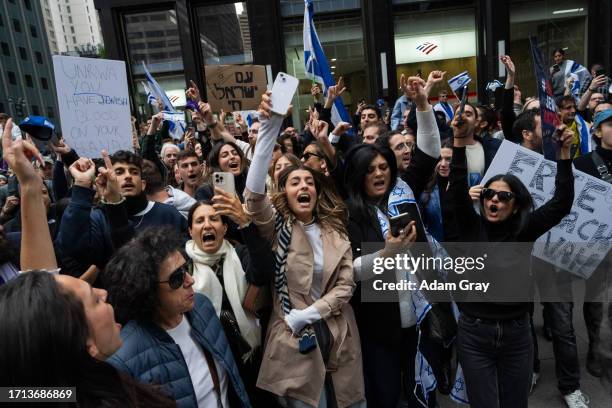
(284, 371)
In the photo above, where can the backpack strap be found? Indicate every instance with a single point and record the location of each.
(601, 167)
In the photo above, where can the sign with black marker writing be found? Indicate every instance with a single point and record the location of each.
(582, 239)
(235, 87)
(94, 104)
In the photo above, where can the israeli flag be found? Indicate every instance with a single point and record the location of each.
(579, 73)
(150, 98)
(493, 85)
(316, 65)
(157, 91)
(459, 81)
(177, 125)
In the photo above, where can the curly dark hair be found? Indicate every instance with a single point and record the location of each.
(131, 276)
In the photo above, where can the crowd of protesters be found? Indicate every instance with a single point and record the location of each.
(140, 281)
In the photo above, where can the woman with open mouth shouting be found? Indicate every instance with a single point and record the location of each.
(375, 192)
(223, 272)
(312, 355)
(494, 341)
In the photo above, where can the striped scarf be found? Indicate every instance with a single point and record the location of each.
(308, 341)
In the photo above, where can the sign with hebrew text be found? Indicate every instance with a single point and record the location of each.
(235, 87)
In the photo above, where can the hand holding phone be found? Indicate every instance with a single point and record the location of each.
(282, 92)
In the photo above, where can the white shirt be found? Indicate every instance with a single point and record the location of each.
(313, 234)
(475, 163)
(198, 368)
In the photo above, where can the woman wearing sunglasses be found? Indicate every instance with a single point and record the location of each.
(494, 341)
(314, 158)
(223, 272)
(312, 356)
(172, 336)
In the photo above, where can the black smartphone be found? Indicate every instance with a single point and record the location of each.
(600, 71)
(556, 68)
(398, 223)
(414, 215)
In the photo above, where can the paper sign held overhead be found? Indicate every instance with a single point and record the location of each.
(235, 87)
(581, 240)
(94, 104)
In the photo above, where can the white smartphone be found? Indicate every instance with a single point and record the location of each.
(282, 92)
(225, 181)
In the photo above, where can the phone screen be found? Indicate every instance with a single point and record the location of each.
(413, 211)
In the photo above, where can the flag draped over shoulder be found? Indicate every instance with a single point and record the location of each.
(316, 65)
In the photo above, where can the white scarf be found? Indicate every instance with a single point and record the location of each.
(207, 283)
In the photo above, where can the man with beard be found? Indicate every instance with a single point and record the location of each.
(95, 232)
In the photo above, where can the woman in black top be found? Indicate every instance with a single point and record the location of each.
(494, 343)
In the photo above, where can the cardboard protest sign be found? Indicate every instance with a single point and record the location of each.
(235, 87)
(94, 104)
(582, 239)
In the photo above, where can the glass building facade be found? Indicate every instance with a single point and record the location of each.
(370, 43)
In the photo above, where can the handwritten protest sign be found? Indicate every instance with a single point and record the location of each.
(94, 104)
(235, 87)
(582, 239)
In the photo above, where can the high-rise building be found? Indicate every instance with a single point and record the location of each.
(26, 70)
(72, 26)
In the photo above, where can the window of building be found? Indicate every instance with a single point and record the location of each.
(436, 40)
(44, 83)
(2, 107)
(556, 24)
(12, 78)
(74, 40)
(27, 4)
(16, 25)
(70, 19)
(6, 51)
(33, 31)
(50, 112)
(29, 81)
(35, 110)
(39, 58)
(67, 9)
(163, 60)
(23, 54)
(72, 29)
(343, 44)
(296, 7)
(225, 37)
(1, 21)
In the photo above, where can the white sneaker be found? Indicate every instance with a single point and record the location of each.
(576, 400)
(534, 380)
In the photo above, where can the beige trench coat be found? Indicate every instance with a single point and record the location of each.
(284, 371)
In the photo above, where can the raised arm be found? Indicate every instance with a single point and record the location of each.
(257, 201)
(552, 212)
(36, 245)
(427, 152)
(507, 114)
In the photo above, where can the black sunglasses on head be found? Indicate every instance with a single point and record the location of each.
(503, 196)
(176, 278)
(307, 155)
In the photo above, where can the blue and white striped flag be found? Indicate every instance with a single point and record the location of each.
(459, 81)
(150, 98)
(157, 90)
(580, 74)
(178, 125)
(316, 65)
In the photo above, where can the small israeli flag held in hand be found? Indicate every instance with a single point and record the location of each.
(459, 81)
(493, 85)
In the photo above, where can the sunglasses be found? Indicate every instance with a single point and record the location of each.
(177, 277)
(307, 155)
(503, 196)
